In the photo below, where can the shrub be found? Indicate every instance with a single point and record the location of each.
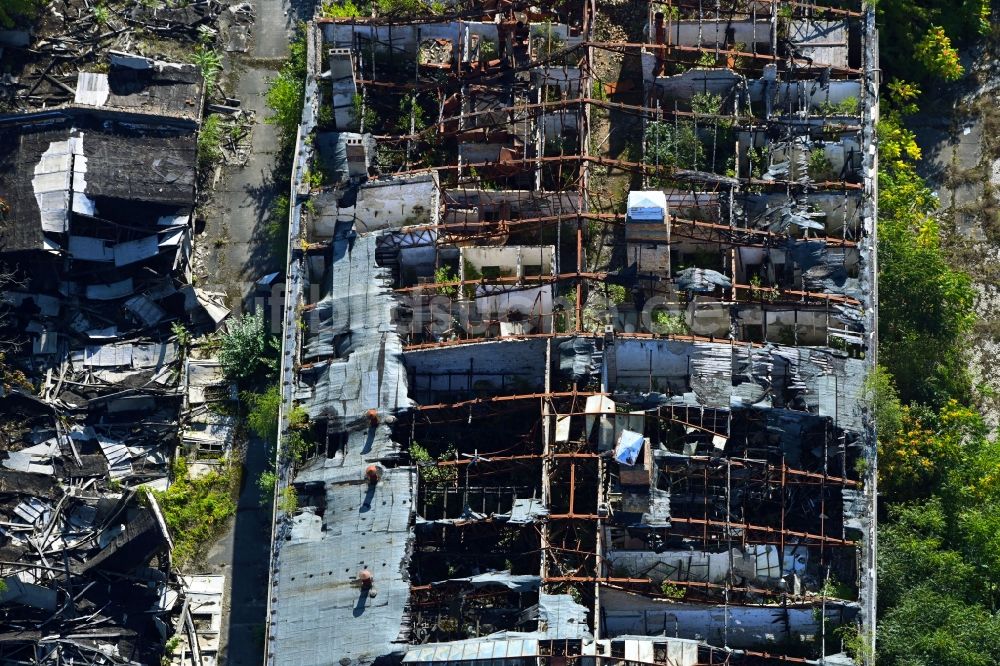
(210, 64)
(210, 141)
(673, 145)
(666, 323)
(344, 9)
(446, 274)
(671, 590)
(285, 92)
(429, 473)
(616, 293)
(247, 349)
(266, 482)
(288, 500)
(935, 52)
(706, 102)
(196, 510)
(262, 412)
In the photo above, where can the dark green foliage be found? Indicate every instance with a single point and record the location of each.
(14, 12)
(932, 628)
(904, 24)
(926, 307)
(672, 145)
(248, 350)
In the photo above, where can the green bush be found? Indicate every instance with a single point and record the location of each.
(196, 510)
(210, 142)
(335, 9)
(262, 412)
(429, 473)
(247, 350)
(288, 500)
(673, 145)
(906, 26)
(266, 482)
(665, 323)
(286, 92)
(210, 64)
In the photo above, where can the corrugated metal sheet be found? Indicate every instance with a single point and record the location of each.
(51, 185)
(92, 89)
(130, 252)
(109, 292)
(90, 249)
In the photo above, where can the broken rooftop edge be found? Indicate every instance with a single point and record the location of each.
(506, 464)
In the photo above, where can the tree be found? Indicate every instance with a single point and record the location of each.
(935, 52)
(930, 627)
(247, 349)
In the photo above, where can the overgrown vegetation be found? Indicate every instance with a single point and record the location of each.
(286, 92)
(288, 500)
(262, 412)
(196, 510)
(917, 38)
(666, 323)
(939, 469)
(430, 473)
(247, 350)
(672, 145)
(15, 12)
(210, 64)
(210, 142)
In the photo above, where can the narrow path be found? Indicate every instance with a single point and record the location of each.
(235, 225)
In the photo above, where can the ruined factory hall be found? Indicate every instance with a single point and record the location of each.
(580, 362)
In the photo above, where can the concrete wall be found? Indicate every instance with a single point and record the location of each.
(708, 33)
(519, 365)
(511, 259)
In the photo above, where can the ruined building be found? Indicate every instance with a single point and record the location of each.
(526, 419)
(96, 206)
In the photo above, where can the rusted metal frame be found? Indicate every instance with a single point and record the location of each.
(526, 457)
(748, 463)
(504, 227)
(823, 9)
(721, 464)
(526, 282)
(836, 298)
(522, 336)
(637, 166)
(648, 581)
(741, 122)
(818, 538)
(800, 63)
